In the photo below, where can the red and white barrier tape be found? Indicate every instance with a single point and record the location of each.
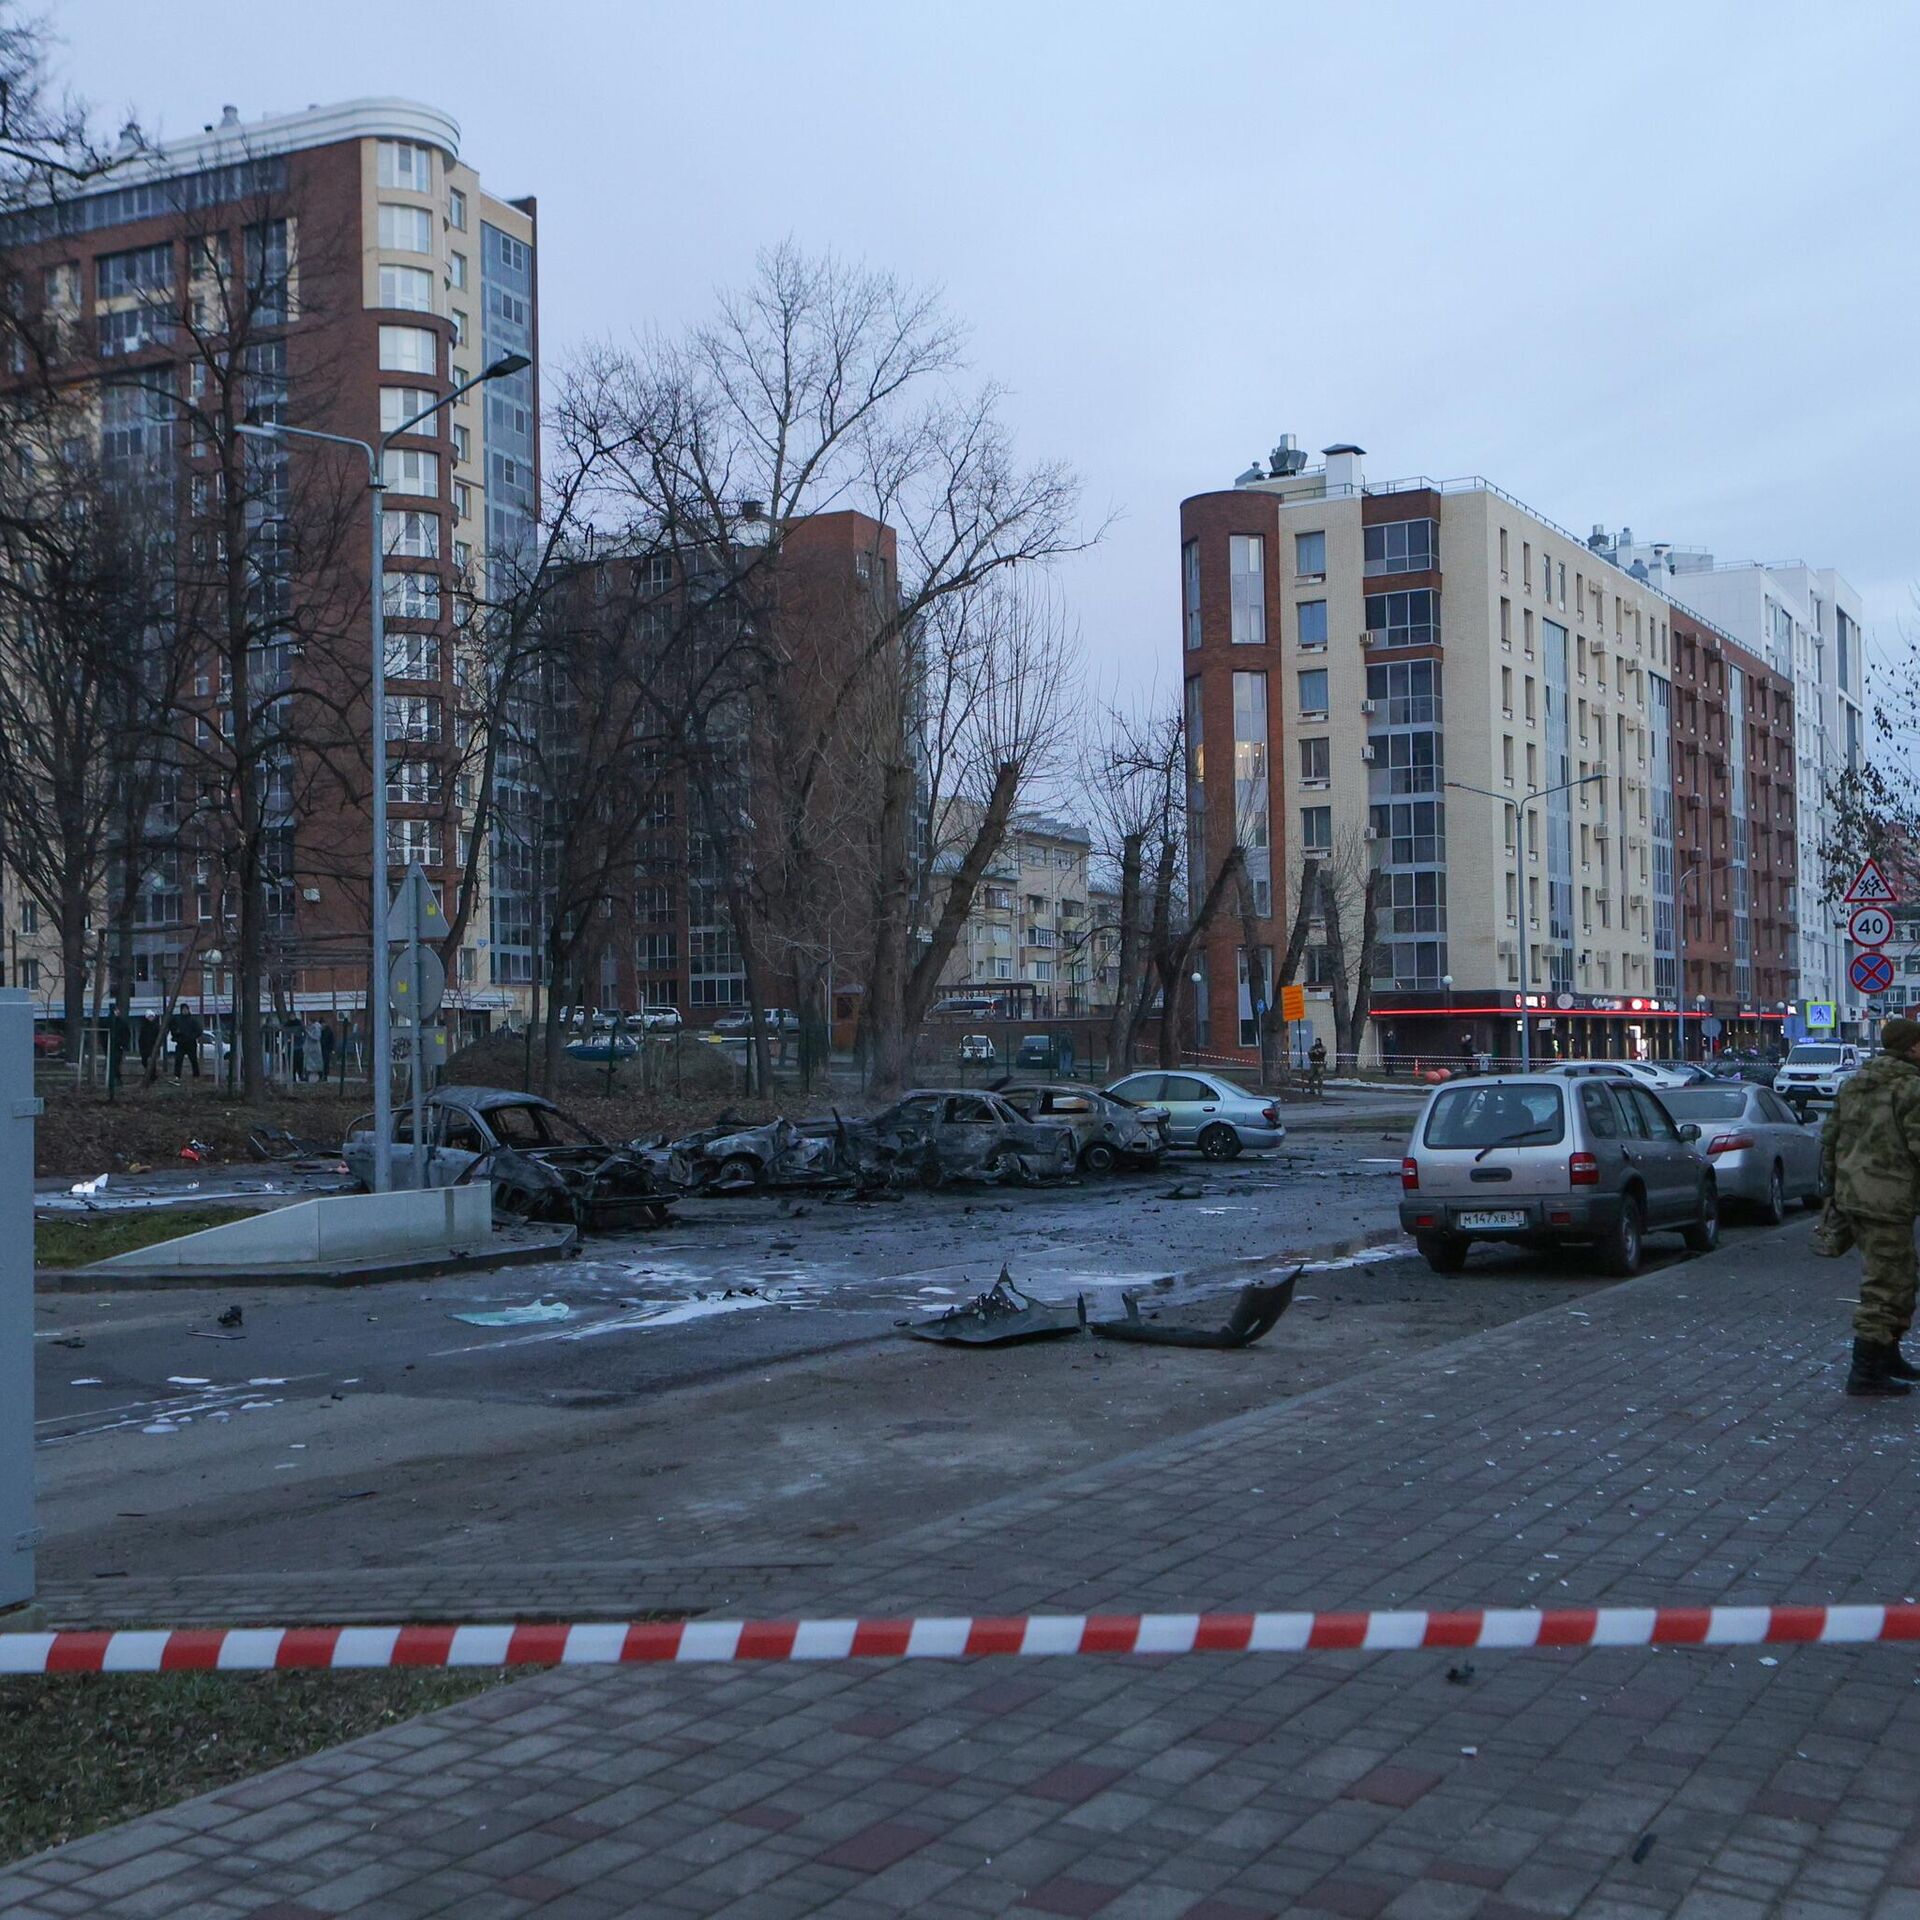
(686, 1642)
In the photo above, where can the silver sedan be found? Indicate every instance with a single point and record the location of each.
(1760, 1153)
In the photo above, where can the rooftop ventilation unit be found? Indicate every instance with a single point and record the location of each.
(1286, 458)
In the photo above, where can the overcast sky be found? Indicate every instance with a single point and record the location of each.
(1641, 263)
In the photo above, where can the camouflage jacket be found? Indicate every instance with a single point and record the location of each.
(1871, 1142)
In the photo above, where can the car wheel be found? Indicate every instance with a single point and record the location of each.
(1097, 1157)
(1620, 1251)
(1219, 1141)
(1704, 1234)
(1443, 1252)
(1773, 1209)
(1817, 1199)
(738, 1173)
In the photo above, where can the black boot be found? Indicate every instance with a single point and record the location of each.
(1899, 1367)
(1871, 1374)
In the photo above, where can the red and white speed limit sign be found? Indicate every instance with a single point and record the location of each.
(1870, 926)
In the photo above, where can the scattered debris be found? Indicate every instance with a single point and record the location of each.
(89, 1381)
(200, 1333)
(1001, 1315)
(232, 1317)
(1643, 1846)
(1253, 1317)
(196, 1151)
(276, 1143)
(1460, 1675)
(527, 1316)
(1184, 1193)
(187, 1380)
(70, 1340)
(84, 1187)
(1108, 1131)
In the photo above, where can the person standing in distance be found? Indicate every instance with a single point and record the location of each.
(1870, 1150)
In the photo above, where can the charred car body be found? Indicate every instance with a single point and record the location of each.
(734, 1157)
(943, 1134)
(1108, 1132)
(543, 1164)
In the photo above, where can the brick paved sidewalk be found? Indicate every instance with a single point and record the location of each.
(1682, 1437)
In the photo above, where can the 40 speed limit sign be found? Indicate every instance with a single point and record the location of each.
(1870, 926)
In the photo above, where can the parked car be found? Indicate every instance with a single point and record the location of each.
(978, 1050)
(1207, 1112)
(1816, 1070)
(1107, 1131)
(950, 1134)
(47, 1044)
(602, 1045)
(1044, 1053)
(543, 1164)
(654, 1020)
(1763, 1154)
(1547, 1159)
(1649, 1073)
(775, 1019)
(961, 1006)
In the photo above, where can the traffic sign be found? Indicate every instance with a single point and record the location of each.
(1870, 972)
(1293, 1003)
(1713, 1026)
(1820, 1014)
(433, 985)
(1870, 926)
(1870, 888)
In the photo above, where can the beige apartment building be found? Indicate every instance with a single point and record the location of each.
(1432, 680)
(1033, 940)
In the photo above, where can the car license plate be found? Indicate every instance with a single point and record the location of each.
(1506, 1217)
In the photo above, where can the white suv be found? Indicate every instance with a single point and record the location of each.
(1816, 1070)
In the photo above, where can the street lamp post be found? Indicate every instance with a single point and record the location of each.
(1519, 813)
(378, 1012)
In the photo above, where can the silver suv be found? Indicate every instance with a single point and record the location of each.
(1544, 1160)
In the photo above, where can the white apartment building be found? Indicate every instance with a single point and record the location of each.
(1805, 623)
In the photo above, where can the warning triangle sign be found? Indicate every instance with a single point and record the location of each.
(1870, 888)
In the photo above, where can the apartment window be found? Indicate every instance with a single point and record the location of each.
(1407, 619)
(29, 917)
(456, 210)
(406, 230)
(138, 270)
(462, 442)
(1316, 759)
(515, 255)
(411, 840)
(401, 404)
(412, 656)
(408, 288)
(1506, 623)
(406, 165)
(1526, 630)
(1506, 689)
(1533, 767)
(1246, 570)
(414, 783)
(131, 330)
(1401, 546)
(1310, 553)
(457, 269)
(411, 470)
(462, 556)
(1190, 590)
(1561, 568)
(1316, 829)
(413, 716)
(411, 596)
(1526, 566)
(1312, 616)
(1313, 690)
(459, 328)
(1531, 712)
(1506, 758)
(1503, 553)
(414, 535)
(28, 972)
(408, 350)
(463, 500)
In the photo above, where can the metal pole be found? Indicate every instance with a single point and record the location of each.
(417, 990)
(1526, 932)
(379, 1031)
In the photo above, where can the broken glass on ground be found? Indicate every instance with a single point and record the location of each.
(532, 1314)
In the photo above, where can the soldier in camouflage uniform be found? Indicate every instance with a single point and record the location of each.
(1870, 1149)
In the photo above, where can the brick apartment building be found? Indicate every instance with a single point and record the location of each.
(398, 277)
(1378, 676)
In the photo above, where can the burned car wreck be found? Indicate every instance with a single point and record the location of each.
(933, 1136)
(543, 1164)
(1108, 1132)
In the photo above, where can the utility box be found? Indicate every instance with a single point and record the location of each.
(17, 1110)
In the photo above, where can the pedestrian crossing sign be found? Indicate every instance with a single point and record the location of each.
(1820, 1016)
(1870, 888)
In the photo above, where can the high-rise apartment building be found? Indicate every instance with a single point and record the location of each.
(1805, 624)
(1431, 681)
(350, 257)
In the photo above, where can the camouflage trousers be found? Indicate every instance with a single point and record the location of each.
(1887, 1276)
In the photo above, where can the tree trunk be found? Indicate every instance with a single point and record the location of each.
(1361, 1004)
(925, 976)
(1120, 1019)
(1273, 1029)
(1166, 872)
(73, 973)
(1172, 961)
(886, 1003)
(1257, 993)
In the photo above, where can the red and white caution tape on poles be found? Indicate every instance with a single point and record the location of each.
(690, 1642)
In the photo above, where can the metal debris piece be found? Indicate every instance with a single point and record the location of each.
(1253, 1316)
(1000, 1316)
(232, 1317)
(530, 1315)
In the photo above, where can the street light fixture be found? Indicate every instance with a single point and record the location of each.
(378, 1013)
(1519, 810)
